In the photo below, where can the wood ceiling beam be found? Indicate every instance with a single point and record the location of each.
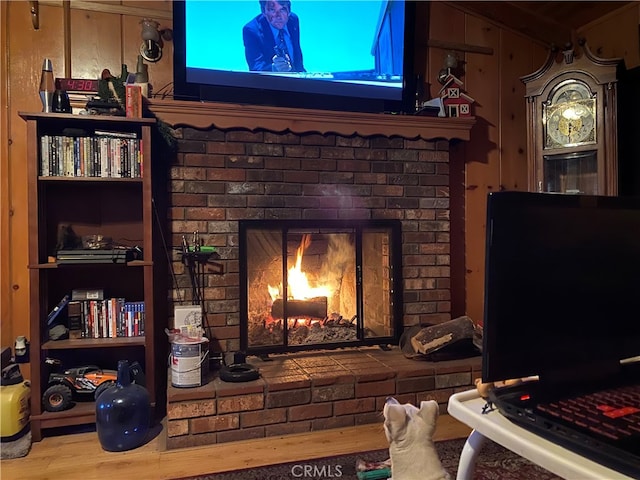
(512, 16)
(461, 47)
(113, 7)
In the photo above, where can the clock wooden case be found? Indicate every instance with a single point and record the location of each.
(572, 144)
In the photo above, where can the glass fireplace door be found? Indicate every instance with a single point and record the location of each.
(328, 285)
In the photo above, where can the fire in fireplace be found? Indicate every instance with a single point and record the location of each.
(309, 284)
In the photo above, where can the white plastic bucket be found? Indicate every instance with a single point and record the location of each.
(189, 362)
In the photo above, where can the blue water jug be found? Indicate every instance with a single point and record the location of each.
(123, 413)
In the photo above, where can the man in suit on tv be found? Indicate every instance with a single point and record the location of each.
(272, 39)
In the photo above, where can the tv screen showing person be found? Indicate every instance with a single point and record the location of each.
(272, 39)
(227, 50)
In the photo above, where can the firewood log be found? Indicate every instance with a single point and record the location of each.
(435, 337)
(312, 308)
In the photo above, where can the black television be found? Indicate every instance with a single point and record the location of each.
(562, 285)
(358, 55)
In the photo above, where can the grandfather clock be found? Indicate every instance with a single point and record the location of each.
(572, 144)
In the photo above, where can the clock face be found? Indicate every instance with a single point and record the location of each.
(570, 117)
(571, 124)
(77, 85)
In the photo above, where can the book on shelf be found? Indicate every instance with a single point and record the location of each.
(74, 318)
(115, 133)
(87, 294)
(53, 314)
(100, 318)
(111, 318)
(106, 155)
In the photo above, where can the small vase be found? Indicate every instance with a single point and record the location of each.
(123, 413)
(142, 71)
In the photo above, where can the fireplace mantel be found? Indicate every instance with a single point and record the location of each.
(277, 119)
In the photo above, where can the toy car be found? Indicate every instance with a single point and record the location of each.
(85, 380)
(81, 381)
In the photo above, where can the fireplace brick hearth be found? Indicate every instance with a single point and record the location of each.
(311, 391)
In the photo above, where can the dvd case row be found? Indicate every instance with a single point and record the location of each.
(96, 156)
(108, 318)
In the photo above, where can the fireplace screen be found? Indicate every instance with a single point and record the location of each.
(319, 284)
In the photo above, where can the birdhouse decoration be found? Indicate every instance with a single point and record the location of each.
(455, 102)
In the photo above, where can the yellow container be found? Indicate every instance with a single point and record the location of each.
(15, 408)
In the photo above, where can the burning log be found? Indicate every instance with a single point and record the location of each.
(312, 308)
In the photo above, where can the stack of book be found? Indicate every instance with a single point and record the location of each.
(108, 318)
(90, 315)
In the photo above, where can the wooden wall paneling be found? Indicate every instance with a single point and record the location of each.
(131, 41)
(26, 50)
(107, 2)
(483, 83)
(152, 5)
(5, 284)
(445, 23)
(123, 32)
(616, 36)
(515, 61)
(161, 72)
(539, 57)
(421, 36)
(545, 29)
(125, 7)
(96, 43)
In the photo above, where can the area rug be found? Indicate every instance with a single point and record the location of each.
(494, 463)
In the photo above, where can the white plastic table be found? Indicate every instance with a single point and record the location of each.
(467, 408)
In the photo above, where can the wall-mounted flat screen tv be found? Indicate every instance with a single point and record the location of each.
(333, 54)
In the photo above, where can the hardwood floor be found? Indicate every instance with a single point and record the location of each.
(80, 456)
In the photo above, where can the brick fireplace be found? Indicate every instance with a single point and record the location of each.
(259, 163)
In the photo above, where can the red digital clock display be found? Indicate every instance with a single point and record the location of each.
(77, 85)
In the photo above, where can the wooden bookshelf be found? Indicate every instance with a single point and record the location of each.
(112, 205)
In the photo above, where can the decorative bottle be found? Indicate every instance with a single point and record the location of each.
(61, 102)
(47, 86)
(123, 413)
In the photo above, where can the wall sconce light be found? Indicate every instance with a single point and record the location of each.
(151, 48)
(449, 65)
